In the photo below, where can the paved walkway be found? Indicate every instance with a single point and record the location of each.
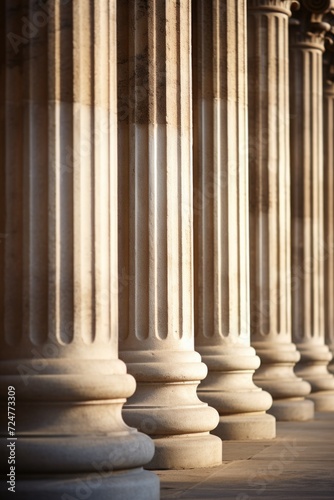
(298, 464)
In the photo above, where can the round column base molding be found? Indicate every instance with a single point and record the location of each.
(246, 427)
(123, 449)
(323, 400)
(293, 410)
(284, 388)
(330, 366)
(319, 377)
(122, 485)
(236, 402)
(166, 406)
(186, 452)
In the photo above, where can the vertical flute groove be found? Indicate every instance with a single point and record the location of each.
(157, 297)
(329, 202)
(222, 333)
(56, 266)
(158, 345)
(307, 311)
(307, 39)
(270, 253)
(269, 178)
(219, 197)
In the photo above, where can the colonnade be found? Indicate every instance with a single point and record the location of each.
(167, 234)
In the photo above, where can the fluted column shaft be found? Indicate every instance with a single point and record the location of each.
(269, 193)
(59, 308)
(156, 311)
(222, 334)
(329, 200)
(307, 202)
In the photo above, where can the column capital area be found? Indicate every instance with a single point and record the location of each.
(317, 7)
(273, 6)
(328, 60)
(310, 24)
(329, 86)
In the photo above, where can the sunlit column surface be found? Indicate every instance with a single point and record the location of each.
(58, 258)
(329, 191)
(222, 327)
(269, 193)
(307, 33)
(155, 246)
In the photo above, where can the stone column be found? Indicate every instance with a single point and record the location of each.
(156, 261)
(222, 333)
(58, 260)
(329, 193)
(307, 197)
(269, 201)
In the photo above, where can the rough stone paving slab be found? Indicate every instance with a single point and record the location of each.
(298, 464)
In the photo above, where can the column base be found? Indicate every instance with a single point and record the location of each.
(230, 389)
(72, 442)
(298, 409)
(166, 407)
(323, 400)
(120, 485)
(243, 427)
(276, 375)
(182, 452)
(314, 367)
(330, 367)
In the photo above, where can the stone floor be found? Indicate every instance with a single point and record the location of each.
(298, 464)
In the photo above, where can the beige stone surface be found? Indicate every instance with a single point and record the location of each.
(140, 229)
(298, 464)
(329, 197)
(59, 310)
(307, 37)
(155, 181)
(221, 267)
(269, 193)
